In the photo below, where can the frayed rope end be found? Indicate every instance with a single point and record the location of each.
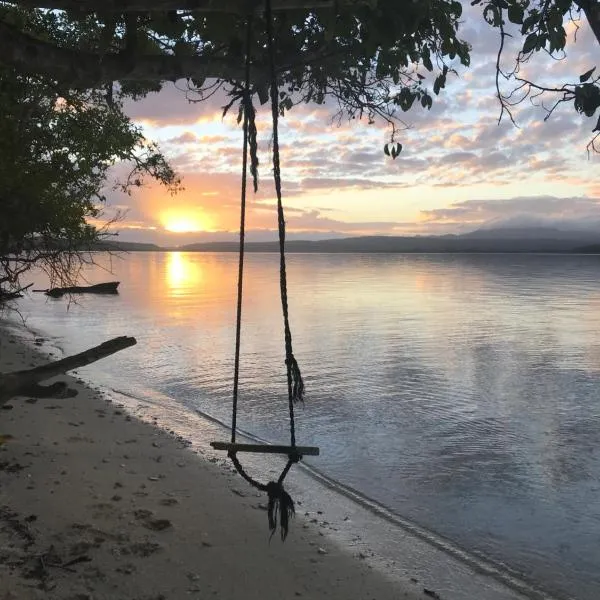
(281, 505)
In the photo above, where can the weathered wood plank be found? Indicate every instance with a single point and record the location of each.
(266, 448)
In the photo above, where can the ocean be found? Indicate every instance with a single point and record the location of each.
(459, 393)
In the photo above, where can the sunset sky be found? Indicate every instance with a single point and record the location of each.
(458, 170)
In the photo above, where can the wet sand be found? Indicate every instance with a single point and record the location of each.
(95, 504)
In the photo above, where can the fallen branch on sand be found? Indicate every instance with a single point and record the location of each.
(26, 383)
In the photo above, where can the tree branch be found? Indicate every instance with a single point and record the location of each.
(77, 67)
(240, 7)
(591, 10)
(87, 69)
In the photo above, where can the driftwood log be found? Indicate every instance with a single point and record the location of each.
(26, 383)
(110, 287)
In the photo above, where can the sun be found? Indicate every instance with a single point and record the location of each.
(184, 221)
(183, 225)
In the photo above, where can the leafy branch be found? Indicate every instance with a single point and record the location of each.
(542, 25)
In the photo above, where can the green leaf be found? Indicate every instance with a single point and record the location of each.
(439, 83)
(529, 23)
(263, 94)
(530, 43)
(386, 149)
(427, 62)
(516, 14)
(583, 78)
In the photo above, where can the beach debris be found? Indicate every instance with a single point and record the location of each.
(126, 569)
(51, 559)
(142, 513)
(158, 524)
(142, 549)
(146, 516)
(432, 594)
(169, 501)
(26, 383)
(8, 467)
(321, 551)
(21, 529)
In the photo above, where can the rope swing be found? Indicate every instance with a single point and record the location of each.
(281, 504)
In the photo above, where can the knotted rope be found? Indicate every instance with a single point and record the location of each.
(281, 505)
(294, 377)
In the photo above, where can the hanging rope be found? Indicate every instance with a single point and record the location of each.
(281, 505)
(245, 104)
(294, 377)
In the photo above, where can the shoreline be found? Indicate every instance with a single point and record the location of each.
(345, 576)
(97, 504)
(477, 562)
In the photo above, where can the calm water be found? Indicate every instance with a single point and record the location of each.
(462, 392)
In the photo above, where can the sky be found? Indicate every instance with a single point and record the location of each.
(459, 169)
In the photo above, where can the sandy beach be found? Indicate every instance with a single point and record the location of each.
(95, 504)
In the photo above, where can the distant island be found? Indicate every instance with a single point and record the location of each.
(515, 240)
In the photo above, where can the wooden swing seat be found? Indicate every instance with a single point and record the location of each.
(266, 448)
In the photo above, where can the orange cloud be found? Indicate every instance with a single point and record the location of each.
(207, 202)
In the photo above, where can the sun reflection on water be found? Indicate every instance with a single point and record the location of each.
(182, 273)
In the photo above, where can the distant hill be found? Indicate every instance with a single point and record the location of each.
(541, 239)
(532, 233)
(593, 249)
(127, 246)
(482, 240)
